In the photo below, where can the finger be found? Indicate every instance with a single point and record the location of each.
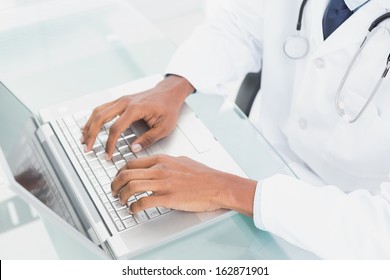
(148, 138)
(135, 187)
(97, 110)
(120, 125)
(146, 203)
(146, 162)
(125, 176)
(98, 121)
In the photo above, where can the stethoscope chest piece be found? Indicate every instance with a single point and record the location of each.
(296, 47)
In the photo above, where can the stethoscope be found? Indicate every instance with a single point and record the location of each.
(297, 47)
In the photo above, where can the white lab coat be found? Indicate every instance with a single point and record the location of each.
(349, 215)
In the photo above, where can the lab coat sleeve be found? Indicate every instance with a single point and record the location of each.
(225, 48)
(324, 220)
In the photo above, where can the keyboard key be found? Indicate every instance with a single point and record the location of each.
(69, 121)
(164, 210)
(112, 172)
(152, 213)
(94, 182)
(128, 133)
(131, 200)
(103, 198)
(99, 149)
(99, 190)
(121, 143)
(140, 217)
(125, 150)
(79, 155)
(108, 125)
(68, 136)
(120, 164)
(77, 138)
(84, 164)
(107, 164)
(61, 124)
(82, 114)
(124, 213)
(109, 207)
(141, 154)
(119, 225)
(101, 157)
(104, 180)
(117, 206)
(99, 172)
(88, 172)
(114, 216)
(81, 122)
(103, 136)
(94, 164)
(140, 195)
(107, 188)
(129, 157)
(111, 198)
(130, 140)
(117, 158)
(129, 222)
(75, 131)
(90, 156)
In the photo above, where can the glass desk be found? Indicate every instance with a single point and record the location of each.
(56, 50)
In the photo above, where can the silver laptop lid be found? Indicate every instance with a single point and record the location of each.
(13, 115)
(28, 161)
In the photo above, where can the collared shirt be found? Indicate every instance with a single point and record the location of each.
(355, 4)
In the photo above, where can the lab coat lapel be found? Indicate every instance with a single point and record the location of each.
(350, 32)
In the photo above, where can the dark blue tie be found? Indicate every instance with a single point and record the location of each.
(335, 14)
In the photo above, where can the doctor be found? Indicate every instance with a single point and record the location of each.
(307, 108)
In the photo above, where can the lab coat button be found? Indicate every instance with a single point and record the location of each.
(302, 123)
(320, 63)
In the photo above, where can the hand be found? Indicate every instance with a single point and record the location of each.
(183, 184)
(158, 107)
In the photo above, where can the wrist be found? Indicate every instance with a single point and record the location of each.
(177, 86)
(238, 194)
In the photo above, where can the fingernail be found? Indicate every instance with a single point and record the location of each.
(136, 148)
(82, 139)
(86, 150)
(106, 156)
(131, 212)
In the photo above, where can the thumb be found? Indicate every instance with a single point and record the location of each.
(147, 139)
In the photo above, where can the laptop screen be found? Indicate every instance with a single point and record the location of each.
(13, 116)
(24, 155)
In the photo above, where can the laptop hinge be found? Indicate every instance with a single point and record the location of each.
(108, 248)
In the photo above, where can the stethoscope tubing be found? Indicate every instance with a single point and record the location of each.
(298, 55)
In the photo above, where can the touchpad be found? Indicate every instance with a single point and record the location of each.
(196, 132)
(189, 133)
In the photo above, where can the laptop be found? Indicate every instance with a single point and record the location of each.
(52, 172)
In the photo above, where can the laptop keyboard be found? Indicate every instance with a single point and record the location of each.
(33, 166)
(101, 171)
